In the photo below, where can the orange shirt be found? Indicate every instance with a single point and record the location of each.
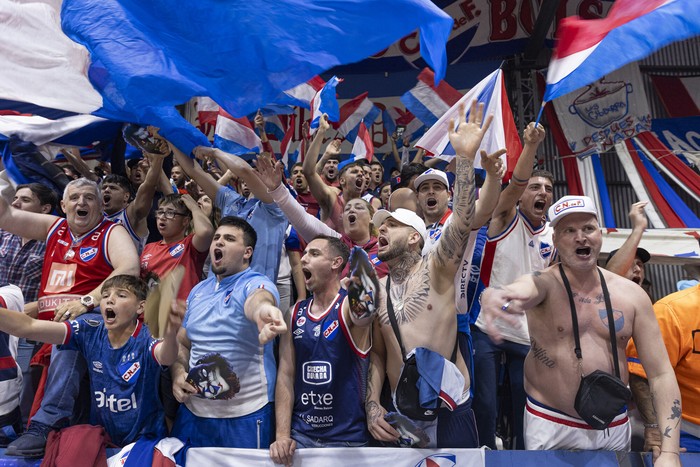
(678, 315)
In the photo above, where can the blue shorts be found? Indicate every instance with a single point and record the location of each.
(253, 431)
(457, 428)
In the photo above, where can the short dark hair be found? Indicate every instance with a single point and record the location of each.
(250, 237)
(44, 194)
(120, 180)
(337, 248)
(131, 283)
(408, 172)
(376, 162)
(299, 164)
(544, 174)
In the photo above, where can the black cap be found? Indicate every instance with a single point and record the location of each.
(641, 254)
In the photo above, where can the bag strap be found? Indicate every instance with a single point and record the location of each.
(395, 325)
(392, 318)
(574, 318)
(611, 322)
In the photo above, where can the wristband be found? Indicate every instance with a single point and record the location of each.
(520, 181)
(672, 452)
(651, 425)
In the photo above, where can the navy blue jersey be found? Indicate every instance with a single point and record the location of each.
(330, 377)
(124, 381)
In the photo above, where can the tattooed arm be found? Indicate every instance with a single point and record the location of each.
(665, 395)
(465, 139)
(377, 426)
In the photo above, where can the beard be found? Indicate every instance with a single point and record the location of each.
(394, 250)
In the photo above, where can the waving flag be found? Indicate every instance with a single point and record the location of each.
(501, 134)
(589, 49)
(73, 130)
(301, 94)
(286, 143)
(363, 147)
(147, 57)
(325, 102)
(352, 113)
(429, 102)
(235, 135)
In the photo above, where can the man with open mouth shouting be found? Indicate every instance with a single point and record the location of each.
(82, 251)
(416, 318)
(580, 319)
(233, 314)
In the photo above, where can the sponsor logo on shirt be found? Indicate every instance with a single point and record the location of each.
(317, 330)
(317, 372)
(298, 332)
(113, 404)
(87, 254)
(227, 298)
(97, 366)
(301, 321)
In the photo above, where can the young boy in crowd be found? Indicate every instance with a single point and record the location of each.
(124, 359)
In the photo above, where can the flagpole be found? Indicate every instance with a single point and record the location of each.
(539, 115)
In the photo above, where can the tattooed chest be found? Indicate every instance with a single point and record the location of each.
(409, 299)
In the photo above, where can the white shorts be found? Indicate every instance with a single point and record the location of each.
(546, 428)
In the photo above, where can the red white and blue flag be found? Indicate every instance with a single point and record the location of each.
(325, 102)
(287, 140)
(363, 147)
(502, 134)
(427, 101)
(301, 94)
(235, 135)
(589, 49)
(357, 110)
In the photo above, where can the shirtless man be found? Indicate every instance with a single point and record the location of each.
(552, 370)
(422, 295)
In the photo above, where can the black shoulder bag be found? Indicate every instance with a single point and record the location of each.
(406, 397)
(601, 396)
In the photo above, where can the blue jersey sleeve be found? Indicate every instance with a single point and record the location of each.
(260, 281)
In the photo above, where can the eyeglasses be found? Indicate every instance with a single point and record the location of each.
(168, 214)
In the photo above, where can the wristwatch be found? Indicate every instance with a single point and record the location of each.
(88, 302)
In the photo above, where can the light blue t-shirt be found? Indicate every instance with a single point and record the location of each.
(216, 324)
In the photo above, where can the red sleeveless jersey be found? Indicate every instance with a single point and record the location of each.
(73, 266)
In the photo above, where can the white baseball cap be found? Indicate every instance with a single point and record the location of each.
(432, 174)
(404, 216)
(570, 205)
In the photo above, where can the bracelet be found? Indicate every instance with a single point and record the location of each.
(672, 452)
(519, 180)
(651, 425)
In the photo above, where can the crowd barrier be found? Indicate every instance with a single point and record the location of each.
(395, 457)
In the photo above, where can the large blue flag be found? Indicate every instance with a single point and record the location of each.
(143, 58)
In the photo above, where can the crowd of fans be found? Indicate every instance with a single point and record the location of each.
(308, 300)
